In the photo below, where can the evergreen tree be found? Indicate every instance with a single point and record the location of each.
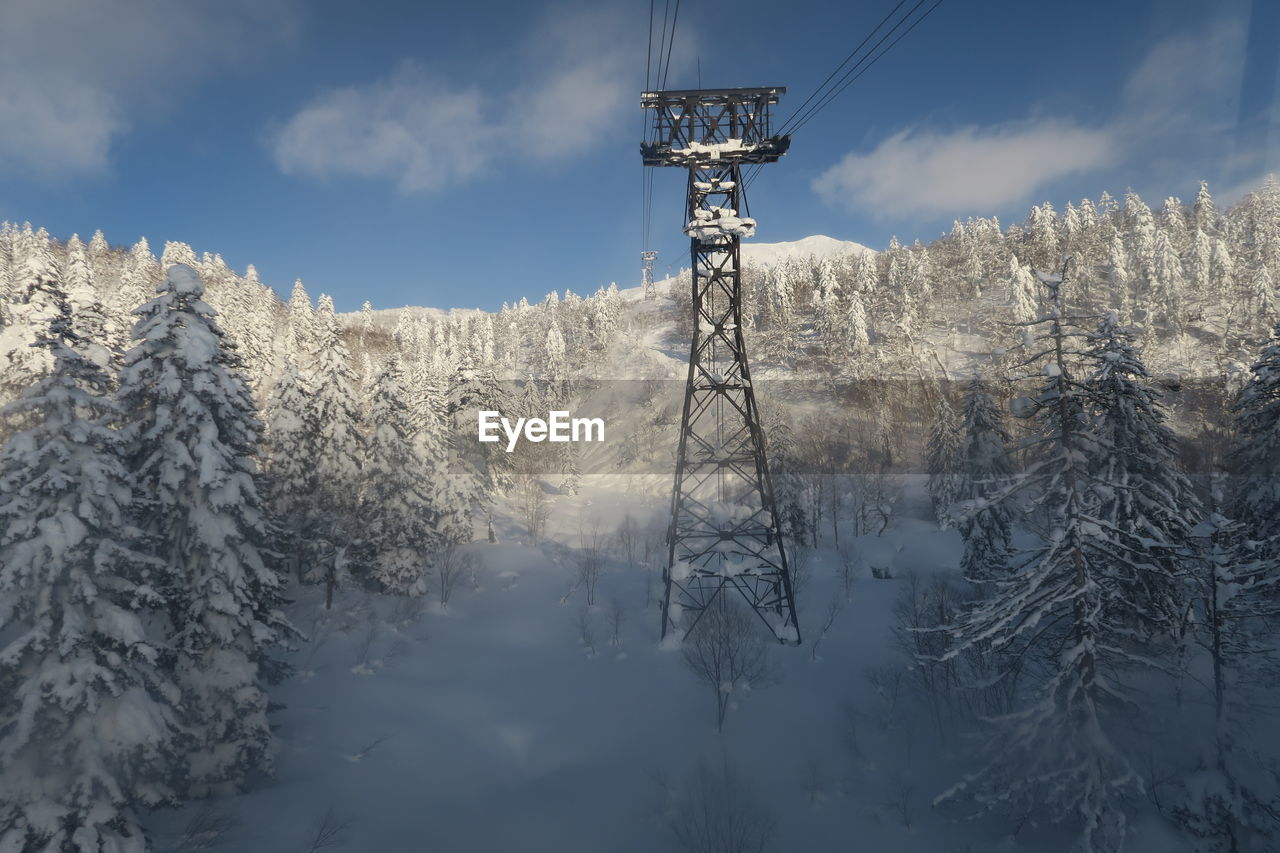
(1206, 214)
(31, 312)
(138, 278)
(88, 727)
(1256, 456)
(89, 317)
(1022, 296)
(337, 453)
(1055, 611)
(1168, 287)
(177, 253)
(985, 472)
(290, 466)
(1231, 798)
(857, 338)
(193, 437)
(1262, 298)
(302, 337)
(1144, 498)
(942, 461)
(1118, 277)
(396, 512)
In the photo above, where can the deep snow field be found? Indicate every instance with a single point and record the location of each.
(488, 726)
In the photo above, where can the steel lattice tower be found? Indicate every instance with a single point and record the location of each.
(648, 256)
(725, 533)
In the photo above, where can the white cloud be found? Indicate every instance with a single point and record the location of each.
(1170, 117)
(408, 127)
(75, 74)
(926, 173)
(422, 132)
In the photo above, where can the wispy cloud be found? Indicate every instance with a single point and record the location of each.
(407, 126)
(421, 131)
(75, 74)
(1170, 118)
(919, 173)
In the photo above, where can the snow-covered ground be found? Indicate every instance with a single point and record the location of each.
(489, 726)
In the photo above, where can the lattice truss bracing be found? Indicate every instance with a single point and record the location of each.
(724, 537)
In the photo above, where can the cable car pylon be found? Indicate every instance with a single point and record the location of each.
(725, 535)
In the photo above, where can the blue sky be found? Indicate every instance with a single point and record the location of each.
(467, 154)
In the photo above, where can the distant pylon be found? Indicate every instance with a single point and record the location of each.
(725, 532)
(648, 256)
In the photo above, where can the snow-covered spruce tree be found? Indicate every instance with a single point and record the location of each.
(193, 439)
(985, 472)
(1144, 498)
(290, 467)
(857, 338)
(32, 308)
(139, 273)
(88, 726)
(337, 454)
(300, 342)
(470, 390)
(1022, 297)
(1056, 612)
(396, 515)
(1256, 456)
(941, 459)
(1232, 798)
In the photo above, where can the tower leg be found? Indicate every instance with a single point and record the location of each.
(725, 535)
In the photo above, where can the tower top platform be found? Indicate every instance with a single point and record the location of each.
(710, 126)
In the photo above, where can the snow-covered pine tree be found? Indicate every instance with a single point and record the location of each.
(1256, 456)
(470, 391)
(1168, 288)
(1140, 227)
(396, 515)
(290, 467)
(826, 309)
(1262, 299)
(30, 313)
(88, 723)
(302, 343)
(101, 258)
(555, 364)
(1205, 212)
(89, 317)
(138, 276)
(1144, 498)
(193, 437)
(1042, 235)
(1118, 277)
(177, 253)
(942, 461)
(985, 471)
(1231, 799)
(337, 453)
(857, 337)
(1022, 295)
(1055, 611)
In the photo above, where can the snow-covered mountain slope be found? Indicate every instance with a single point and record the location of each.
(817, 246)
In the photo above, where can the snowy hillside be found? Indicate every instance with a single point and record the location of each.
(816, 247)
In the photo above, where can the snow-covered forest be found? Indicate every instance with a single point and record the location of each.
(262, 589)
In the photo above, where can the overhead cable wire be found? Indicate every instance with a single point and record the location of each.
(843, 63)
(798, 118)
(671, 41)
(832, 95)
